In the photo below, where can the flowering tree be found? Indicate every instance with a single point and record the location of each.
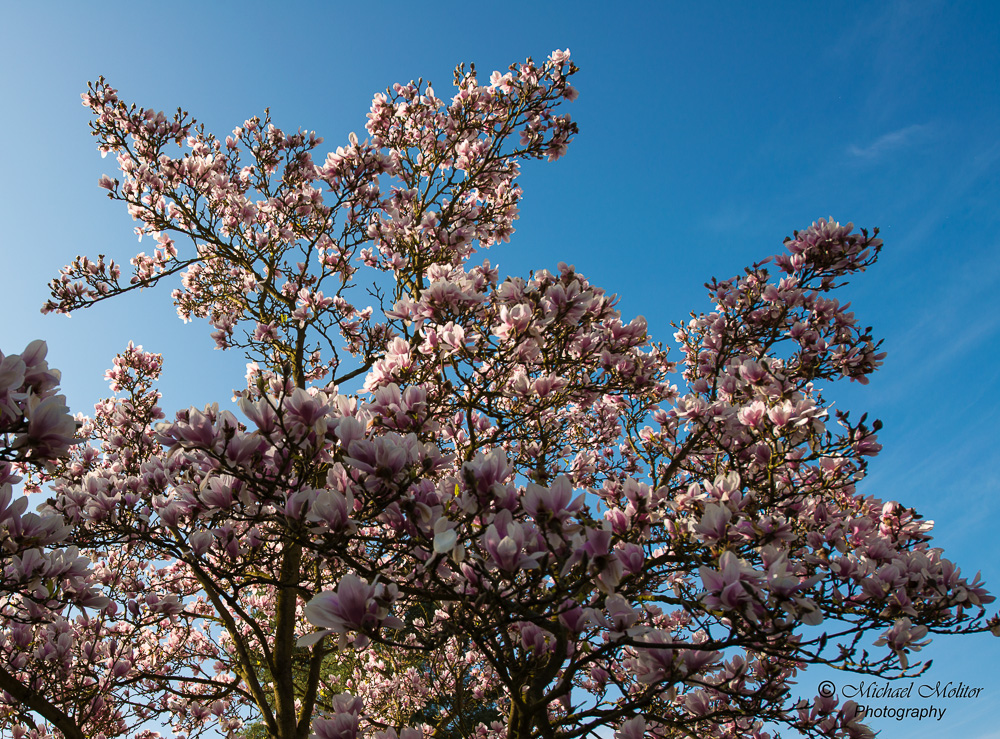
(517, 527)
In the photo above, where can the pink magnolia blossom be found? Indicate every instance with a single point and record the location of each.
(354, 606)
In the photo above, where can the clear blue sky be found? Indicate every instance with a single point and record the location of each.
(708, 132)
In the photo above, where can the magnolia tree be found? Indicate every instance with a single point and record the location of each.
(518, 526)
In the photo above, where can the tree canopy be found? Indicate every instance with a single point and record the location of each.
(526, 521)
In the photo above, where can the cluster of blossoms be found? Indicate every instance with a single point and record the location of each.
(47, 587)
(35, 423)
(518, 527)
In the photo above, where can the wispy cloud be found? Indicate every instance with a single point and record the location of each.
(730, 218)
(889, 142)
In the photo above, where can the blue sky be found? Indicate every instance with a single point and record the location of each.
(708, 132)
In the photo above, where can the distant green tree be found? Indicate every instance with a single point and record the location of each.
(454, 713)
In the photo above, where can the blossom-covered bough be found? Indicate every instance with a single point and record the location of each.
(518, 526)
(46, 586)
